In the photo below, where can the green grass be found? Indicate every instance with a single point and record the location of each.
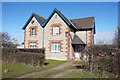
(82, 74)
(53, 63)
(78, 62)
(69, 67)
(47, 74)
(0, 70)
(50, 73)
(78, 74)
(19, 69)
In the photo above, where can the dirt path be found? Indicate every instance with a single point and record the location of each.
(59, 75)
(40, 72)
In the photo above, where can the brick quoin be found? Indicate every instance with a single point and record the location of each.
(24, 38)
(90, 37)
(68, 44)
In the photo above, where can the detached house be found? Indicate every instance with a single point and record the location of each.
(63, 39)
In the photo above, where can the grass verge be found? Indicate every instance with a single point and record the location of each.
(14, 70)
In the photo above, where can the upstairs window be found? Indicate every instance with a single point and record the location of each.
(55, 47)
(56, 30)
(33, 31)
(33, 45)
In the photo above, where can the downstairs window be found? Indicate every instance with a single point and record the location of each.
(33, 45)
(55, 47)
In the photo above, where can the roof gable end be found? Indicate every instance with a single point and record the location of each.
(61, 15)
(37, 17)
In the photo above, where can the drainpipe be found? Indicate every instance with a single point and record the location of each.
(86, 40)
(43, 39)
(93, 36)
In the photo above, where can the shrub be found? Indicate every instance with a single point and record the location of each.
(24, 56)
(41, 50)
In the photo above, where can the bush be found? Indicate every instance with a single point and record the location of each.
(14, 50)
(41, 50)
(24, 56)
(107, 65)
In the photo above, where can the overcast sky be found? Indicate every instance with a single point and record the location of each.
(15, 15)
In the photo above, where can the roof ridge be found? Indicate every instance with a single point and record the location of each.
(83, 18)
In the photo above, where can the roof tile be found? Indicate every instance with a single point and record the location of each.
(83, 23)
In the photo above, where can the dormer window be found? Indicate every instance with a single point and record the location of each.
(33, 31)
(56, 30)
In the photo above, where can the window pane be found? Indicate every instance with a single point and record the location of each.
(58, 46)
(33, 31)
(53, 30)
(52, 46)
(56, 30)
(33, 45)
(55, 46)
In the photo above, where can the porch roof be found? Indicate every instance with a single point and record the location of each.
(77, 40)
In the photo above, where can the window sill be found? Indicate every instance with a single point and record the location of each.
(55, 35)
(33, 35)
(55, 51)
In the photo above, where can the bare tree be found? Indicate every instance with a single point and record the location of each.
(118, 37)
(115, 39)
(7, 41)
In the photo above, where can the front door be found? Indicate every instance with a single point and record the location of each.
(78, 50)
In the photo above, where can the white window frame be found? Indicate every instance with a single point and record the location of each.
(33, 44)
(55, 30)
(55, 47)
(33, 31)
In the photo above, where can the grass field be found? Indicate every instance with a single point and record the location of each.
(19, 69)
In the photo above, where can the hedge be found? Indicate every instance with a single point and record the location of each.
(107, 65)
(14, 50)
(24, 56)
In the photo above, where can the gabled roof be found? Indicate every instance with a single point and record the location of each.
(43, 21)
(83, 23)
(77, 24)
(60, 14)
(40, 19)
(77, 40)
